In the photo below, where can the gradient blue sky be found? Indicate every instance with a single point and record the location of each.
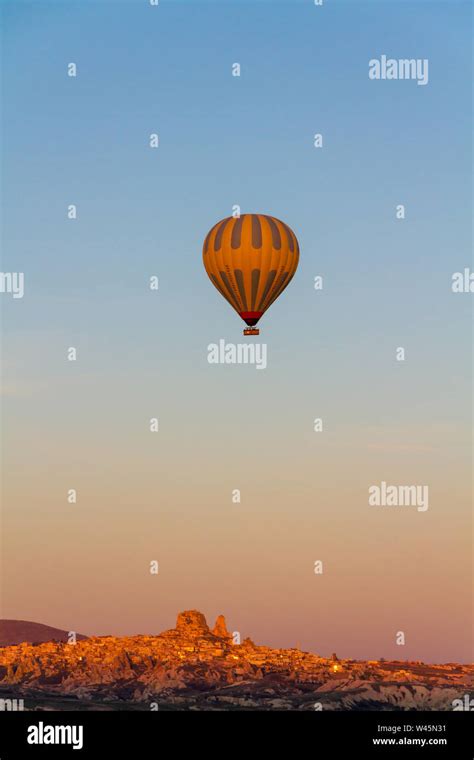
(246, 141)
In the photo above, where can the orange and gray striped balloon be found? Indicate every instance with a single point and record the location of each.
(250, 259)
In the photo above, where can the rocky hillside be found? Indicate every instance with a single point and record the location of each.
(194, 667)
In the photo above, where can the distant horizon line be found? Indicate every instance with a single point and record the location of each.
(84, 636)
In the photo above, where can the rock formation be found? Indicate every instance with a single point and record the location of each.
(192, 622)
(220, 628)
(192, 667)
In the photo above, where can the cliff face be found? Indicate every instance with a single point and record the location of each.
(192, 666)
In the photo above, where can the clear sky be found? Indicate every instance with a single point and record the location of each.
(245, 140)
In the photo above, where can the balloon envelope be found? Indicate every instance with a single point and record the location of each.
(250, 260)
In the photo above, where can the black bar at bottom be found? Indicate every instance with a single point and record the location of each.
(143, 734)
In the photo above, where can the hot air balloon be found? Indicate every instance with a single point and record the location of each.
(250, 259)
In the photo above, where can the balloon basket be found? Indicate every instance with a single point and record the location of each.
(251, 331)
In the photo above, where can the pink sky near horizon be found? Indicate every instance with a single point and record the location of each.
(85, 566)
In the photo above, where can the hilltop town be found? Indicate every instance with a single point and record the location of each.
(194, 667)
